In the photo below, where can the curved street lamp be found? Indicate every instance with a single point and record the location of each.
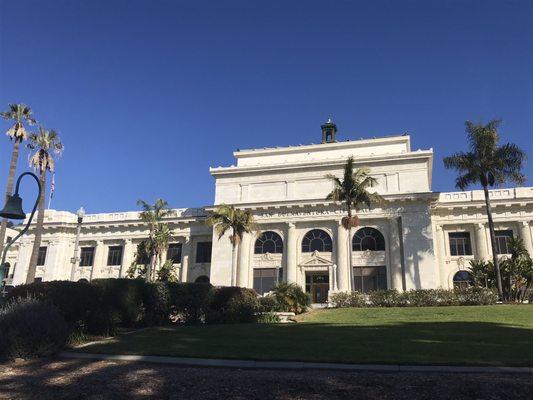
(13, 210)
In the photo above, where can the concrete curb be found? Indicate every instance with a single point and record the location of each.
(213, 362)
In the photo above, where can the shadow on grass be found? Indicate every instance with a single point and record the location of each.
(475, 343)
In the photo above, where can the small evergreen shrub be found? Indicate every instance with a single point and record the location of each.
(31, 328)
(189, 302)
(386, 298)
(476, 296)
(291, 298)
(268, 304)
(156, 302)
(232, 305)
(121, 299)
(347, 299)
(268, 318)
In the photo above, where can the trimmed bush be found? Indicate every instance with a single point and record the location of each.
(386, 298)
(156, 302)
(232, 305)
(476, 296)
(347, 299)
(189, 302)
(76, 301)
(121, 300)
(31, 328)
(291, 298)
(268, 304)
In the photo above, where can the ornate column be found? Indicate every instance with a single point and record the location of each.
(291, 253)
(185, 259)
(99, 259)
(127, 257)
(342, 259)
(481, 242)
(243, 261)
(441, 255)
(525, 234)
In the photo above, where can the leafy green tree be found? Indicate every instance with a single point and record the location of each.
(488, 164)
(20, 115)
(228, 218)
(159, 233)
(44, 146)
(353, 192)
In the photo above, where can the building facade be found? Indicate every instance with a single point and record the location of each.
(416, 239)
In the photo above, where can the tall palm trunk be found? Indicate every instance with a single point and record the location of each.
(9, 188)
(151, 268)
(38, 230)
(493, 242)
(234, 264)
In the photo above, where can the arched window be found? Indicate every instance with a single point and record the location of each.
(83, 280)
(463, 280)
(368, 239)
(316, 240)
(202, 279)
(269, 242)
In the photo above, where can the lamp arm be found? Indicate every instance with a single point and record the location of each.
(23, 231)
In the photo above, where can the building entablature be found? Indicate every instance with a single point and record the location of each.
(392, 145)
(312, 162)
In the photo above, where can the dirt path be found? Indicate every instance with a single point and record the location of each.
(87, 379)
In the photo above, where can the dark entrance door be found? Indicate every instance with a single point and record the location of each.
(317, 284)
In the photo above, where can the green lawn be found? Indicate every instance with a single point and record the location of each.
(489, 335)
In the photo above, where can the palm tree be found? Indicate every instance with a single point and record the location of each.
(352, 192)
(19, 114)
(44, 146)
(159, 233)
(488, 164)
(226, 218)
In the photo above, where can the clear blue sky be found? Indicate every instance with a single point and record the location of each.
(147, 95)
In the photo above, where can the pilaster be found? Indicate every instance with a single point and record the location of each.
(244, 261)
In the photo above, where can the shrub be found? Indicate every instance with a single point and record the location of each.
(476, 296)
(189, 301)
(232, 305)
(156, 302)
(421, 298)
(386, 298)
(76, 301)
(268, 318)
(121, 300)
(268, 304)
(291, 298)
(347, 299)
(31, 328)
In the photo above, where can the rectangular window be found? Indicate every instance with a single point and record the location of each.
(367, 279)
(502, 241)
(460, 244)
(203, 252)
(86, 256)
(265, 279)
(114, 257)
(41, 257)
(174, 253)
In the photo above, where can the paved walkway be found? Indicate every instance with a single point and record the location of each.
(211, 362)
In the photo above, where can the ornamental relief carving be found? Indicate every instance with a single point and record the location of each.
(267, 260)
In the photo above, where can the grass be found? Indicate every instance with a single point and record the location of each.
(478, 335)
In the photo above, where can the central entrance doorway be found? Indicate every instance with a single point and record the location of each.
(317, 285)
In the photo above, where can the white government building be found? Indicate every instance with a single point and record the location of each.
(417, 239)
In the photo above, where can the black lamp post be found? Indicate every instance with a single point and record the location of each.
(13, 210)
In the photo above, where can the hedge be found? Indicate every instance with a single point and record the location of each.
(415, 298)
